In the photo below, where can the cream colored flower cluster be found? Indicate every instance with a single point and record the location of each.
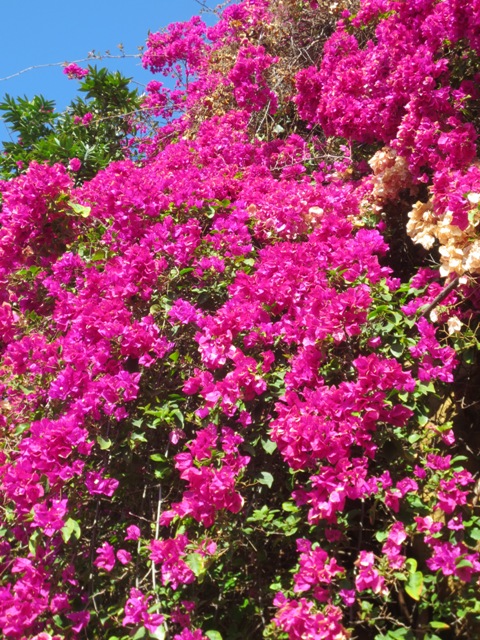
(459, 248)
(390, 177)
(391, 174)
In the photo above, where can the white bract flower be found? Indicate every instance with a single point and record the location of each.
(454, 325)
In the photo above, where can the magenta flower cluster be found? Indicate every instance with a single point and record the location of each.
(74, 71)
(198, 341)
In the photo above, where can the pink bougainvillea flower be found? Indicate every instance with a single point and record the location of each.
(74, 72)
(316, 568)
(80, 620)
(50, 519)
(105, 557)
(171, 554)
(136, 612)
(97, 484)
(454, 559)
(123, 556)
(190, 634)
(300, 619)
(368, 577)
(348, 596)
(133, 532)
(75, 164)
(396, 536)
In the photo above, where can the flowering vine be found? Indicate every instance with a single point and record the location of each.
(236, 398)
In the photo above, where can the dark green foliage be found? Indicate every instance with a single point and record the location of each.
(38, 133)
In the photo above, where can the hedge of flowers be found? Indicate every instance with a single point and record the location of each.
(239, 367)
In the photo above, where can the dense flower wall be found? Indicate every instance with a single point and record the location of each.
(239, 367)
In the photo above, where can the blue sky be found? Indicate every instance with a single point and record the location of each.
(43, 33)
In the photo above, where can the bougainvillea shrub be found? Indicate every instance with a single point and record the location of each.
(239, 368)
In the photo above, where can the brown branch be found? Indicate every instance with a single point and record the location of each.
(425, 311)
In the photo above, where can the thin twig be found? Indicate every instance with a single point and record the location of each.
(99, 56)
(215, 10)
(441, 296)
(157, 533)
(139, 543)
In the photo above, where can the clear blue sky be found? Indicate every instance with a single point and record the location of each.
(42, 33)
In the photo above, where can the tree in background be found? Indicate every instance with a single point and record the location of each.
(94, 130)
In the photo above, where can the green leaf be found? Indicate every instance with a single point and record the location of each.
(178, 414)
(463, 563)
(196, 562)
(158, 457)
(475, 534)
(469, 356)
(33, 542)
(71, 527)
(396, 349)
(397, 634)
(261, 515)
(381, 536)
(290, 507)
(266, 478)
(58, 621)
(160, 633)
(80, 209)
(439, 625)
(414, 586)
(213, 635)
(268, 446)
(412, 564)
(21, 428)
(137, 437)
(101, 254)
(104, 444)
(414, 437)
(423, 420)
(154, 309)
